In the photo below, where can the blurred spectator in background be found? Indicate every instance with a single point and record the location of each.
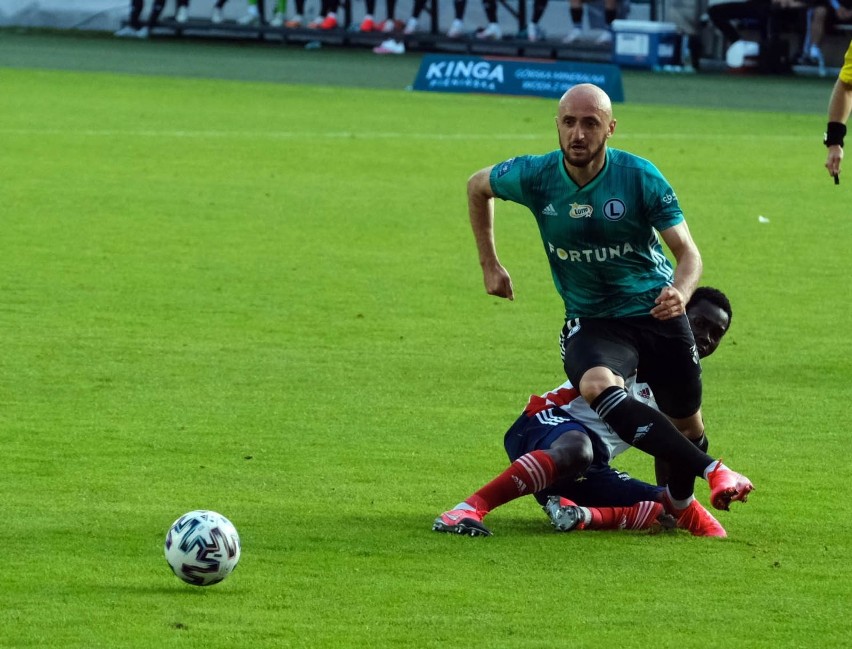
(327, 18)
(412, 23)
(298, 19)
(280, 15)
(576, 34)
(218, 16)
(456, 29)
(821, 18)
(492, 31)
(369, 24)
(727, 14)
(134, 27)
(766, 17)
(255, 13)
(534, 32)
(687, 17)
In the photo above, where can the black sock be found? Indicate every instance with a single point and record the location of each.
(694, 44)
(663, 470)
(681, 482)
(650, 431)
(458, 7)
(609, 16)
(156, 10)
(538, 10)
(577, 16)
(490, 7)
(135, 13)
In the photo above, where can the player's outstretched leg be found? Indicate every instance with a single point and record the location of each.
(461, 521)
(727, 486)
(565, 515)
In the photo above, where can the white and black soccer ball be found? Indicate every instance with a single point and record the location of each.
(202, 547)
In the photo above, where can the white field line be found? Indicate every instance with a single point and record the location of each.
(379, 135)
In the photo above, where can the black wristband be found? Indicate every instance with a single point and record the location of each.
(834, 133)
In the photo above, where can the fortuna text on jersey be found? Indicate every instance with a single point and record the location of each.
(592, 254)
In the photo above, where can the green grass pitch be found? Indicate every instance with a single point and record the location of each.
(264, 299)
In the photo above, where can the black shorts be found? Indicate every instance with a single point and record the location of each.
(663, 352)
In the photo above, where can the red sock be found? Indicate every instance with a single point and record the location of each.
(526, 475)
(638, 517)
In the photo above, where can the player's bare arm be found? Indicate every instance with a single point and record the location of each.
(839, 107)
(671, 303)
(480, 202)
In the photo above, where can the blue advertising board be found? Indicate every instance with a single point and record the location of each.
(493, 75)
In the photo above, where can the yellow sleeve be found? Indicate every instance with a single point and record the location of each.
(846, 71)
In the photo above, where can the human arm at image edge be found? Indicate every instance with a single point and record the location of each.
(480, 204)
(839, 107)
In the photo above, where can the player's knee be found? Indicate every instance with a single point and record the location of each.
(596, 380)
(572, 455)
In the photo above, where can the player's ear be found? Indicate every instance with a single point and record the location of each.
(611, 129)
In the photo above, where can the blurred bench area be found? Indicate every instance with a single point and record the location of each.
(677, 35)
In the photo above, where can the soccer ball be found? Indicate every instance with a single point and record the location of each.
(202, 547)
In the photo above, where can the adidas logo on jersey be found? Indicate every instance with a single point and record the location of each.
(549, 210)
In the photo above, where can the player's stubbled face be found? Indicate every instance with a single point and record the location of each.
(583, 133)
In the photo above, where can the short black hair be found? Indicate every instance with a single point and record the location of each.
(714, 296)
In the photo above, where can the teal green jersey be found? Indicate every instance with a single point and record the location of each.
(601, 239)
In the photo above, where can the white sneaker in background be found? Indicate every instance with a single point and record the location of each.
(410, 26)
(390, 46)
(142, 32)
(742, 54)
(532, 32)
(604, 37)
(456, 29)
(126, 32)
(217, 18)
(277, 19)
(491, 33)
(250, 19)
(182, 15)
(574, 36)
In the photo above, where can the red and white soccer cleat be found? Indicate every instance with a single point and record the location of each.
(727, 486)
(698, 521)
(461, 521)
